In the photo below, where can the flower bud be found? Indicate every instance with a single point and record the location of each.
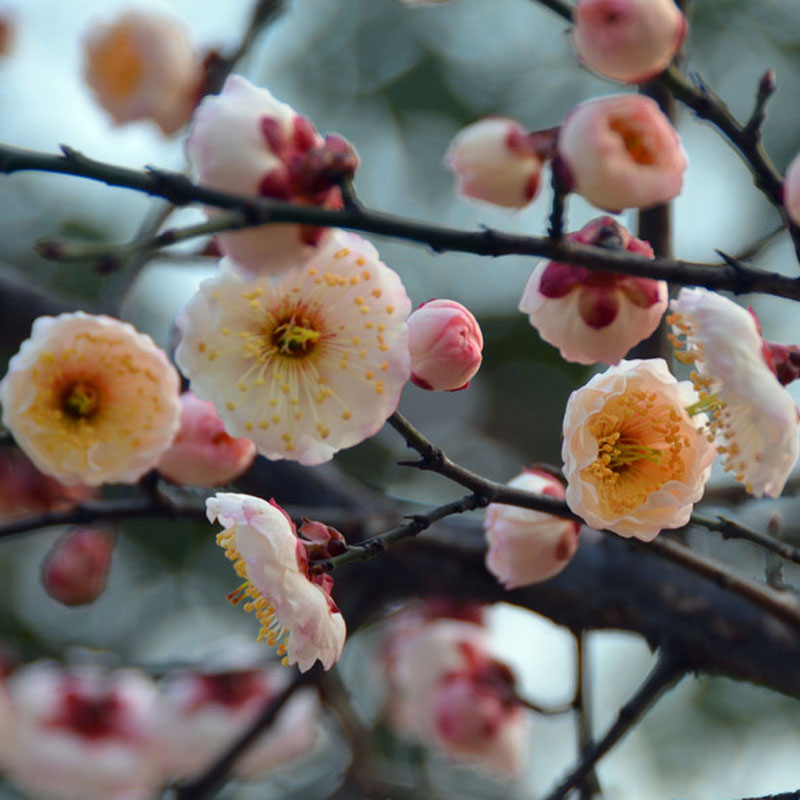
(203, 454)
(75, 570)
(791, 190)
(620, 152)
(445, 342)
(589, 315)
(496, 162)
(526, 546)
(144, 66)
(628, 40)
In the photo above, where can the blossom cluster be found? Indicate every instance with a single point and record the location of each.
(71, 732)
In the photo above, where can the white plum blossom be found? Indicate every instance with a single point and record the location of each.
(752, 417)
(306, 366)
(294, 607)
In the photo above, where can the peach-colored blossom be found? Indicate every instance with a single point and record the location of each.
(495, 162)
(791, 190)
(75, 570)
(294, 607)
(84, 734)
(634, 460)
(206, 711)
(445, 342)
(203, 454)
(90, 400)
(144, 66)
(526, 546)
(449, 693)
(628, 40)
(620, 152)
(752, 417)
(594, 316)
(306, 366)
(247, 142)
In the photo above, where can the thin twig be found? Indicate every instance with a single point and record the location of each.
(589, 784)
(666, 672)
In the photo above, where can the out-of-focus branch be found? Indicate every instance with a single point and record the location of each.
(251, 211)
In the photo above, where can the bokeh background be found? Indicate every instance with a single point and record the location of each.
(398, 83)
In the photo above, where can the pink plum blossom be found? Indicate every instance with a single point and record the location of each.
(620, 152)
(752, 417)
(445, 342)
(84, 735)
(294, 606)
(203, 454)
(634, 459)
(496, 161)
(144, 66)
(449, 693)
(791, 190)
(247, 142)
(526, 546)
(306, 366)
(628, 40)
(594, 316)
(206, 711)
(75, 570)
(90, 399)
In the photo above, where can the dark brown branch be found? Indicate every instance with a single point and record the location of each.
(178, 189)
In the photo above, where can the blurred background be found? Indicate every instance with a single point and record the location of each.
(399, 82)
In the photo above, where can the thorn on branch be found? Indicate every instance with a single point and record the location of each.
(744, 282)
(70, 153)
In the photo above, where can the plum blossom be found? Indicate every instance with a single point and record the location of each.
(496, 161)
(206, 711)
(90, 400)
(526, 546)
(144, 66)
(247, 142)
(752, 417)
(75, 570)
(293, 605)
(628, 40)
(203, 454)
(634, 460)
(791, 190)
(620, 152)
(589, 315)
(306, 366)
(448, 692)
(84, 735)
(445, 342)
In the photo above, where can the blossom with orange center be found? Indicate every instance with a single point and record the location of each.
(634, 459)
(306, 366)
(144, 66)
(752, 417)
(91, 400)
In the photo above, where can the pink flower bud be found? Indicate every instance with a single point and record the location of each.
(525, 546)
(445, 342)
(495, 161)
(144, 66)
(791, 190)
(628, 40)
(620, 152)
(75, 570)
(589, 315)
(203, 454)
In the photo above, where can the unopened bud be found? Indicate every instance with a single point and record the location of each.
(75, 570)
(445, 342)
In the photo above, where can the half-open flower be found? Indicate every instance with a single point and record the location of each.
(528, 546)
(293, 605)
(752, 417)
(620, 152)
(594, 316)
(306, 366)
(791, 190)
(634, 460)
(90, 400)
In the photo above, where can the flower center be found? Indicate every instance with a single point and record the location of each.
(294, 340)
(635, 143)
(80, 400)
